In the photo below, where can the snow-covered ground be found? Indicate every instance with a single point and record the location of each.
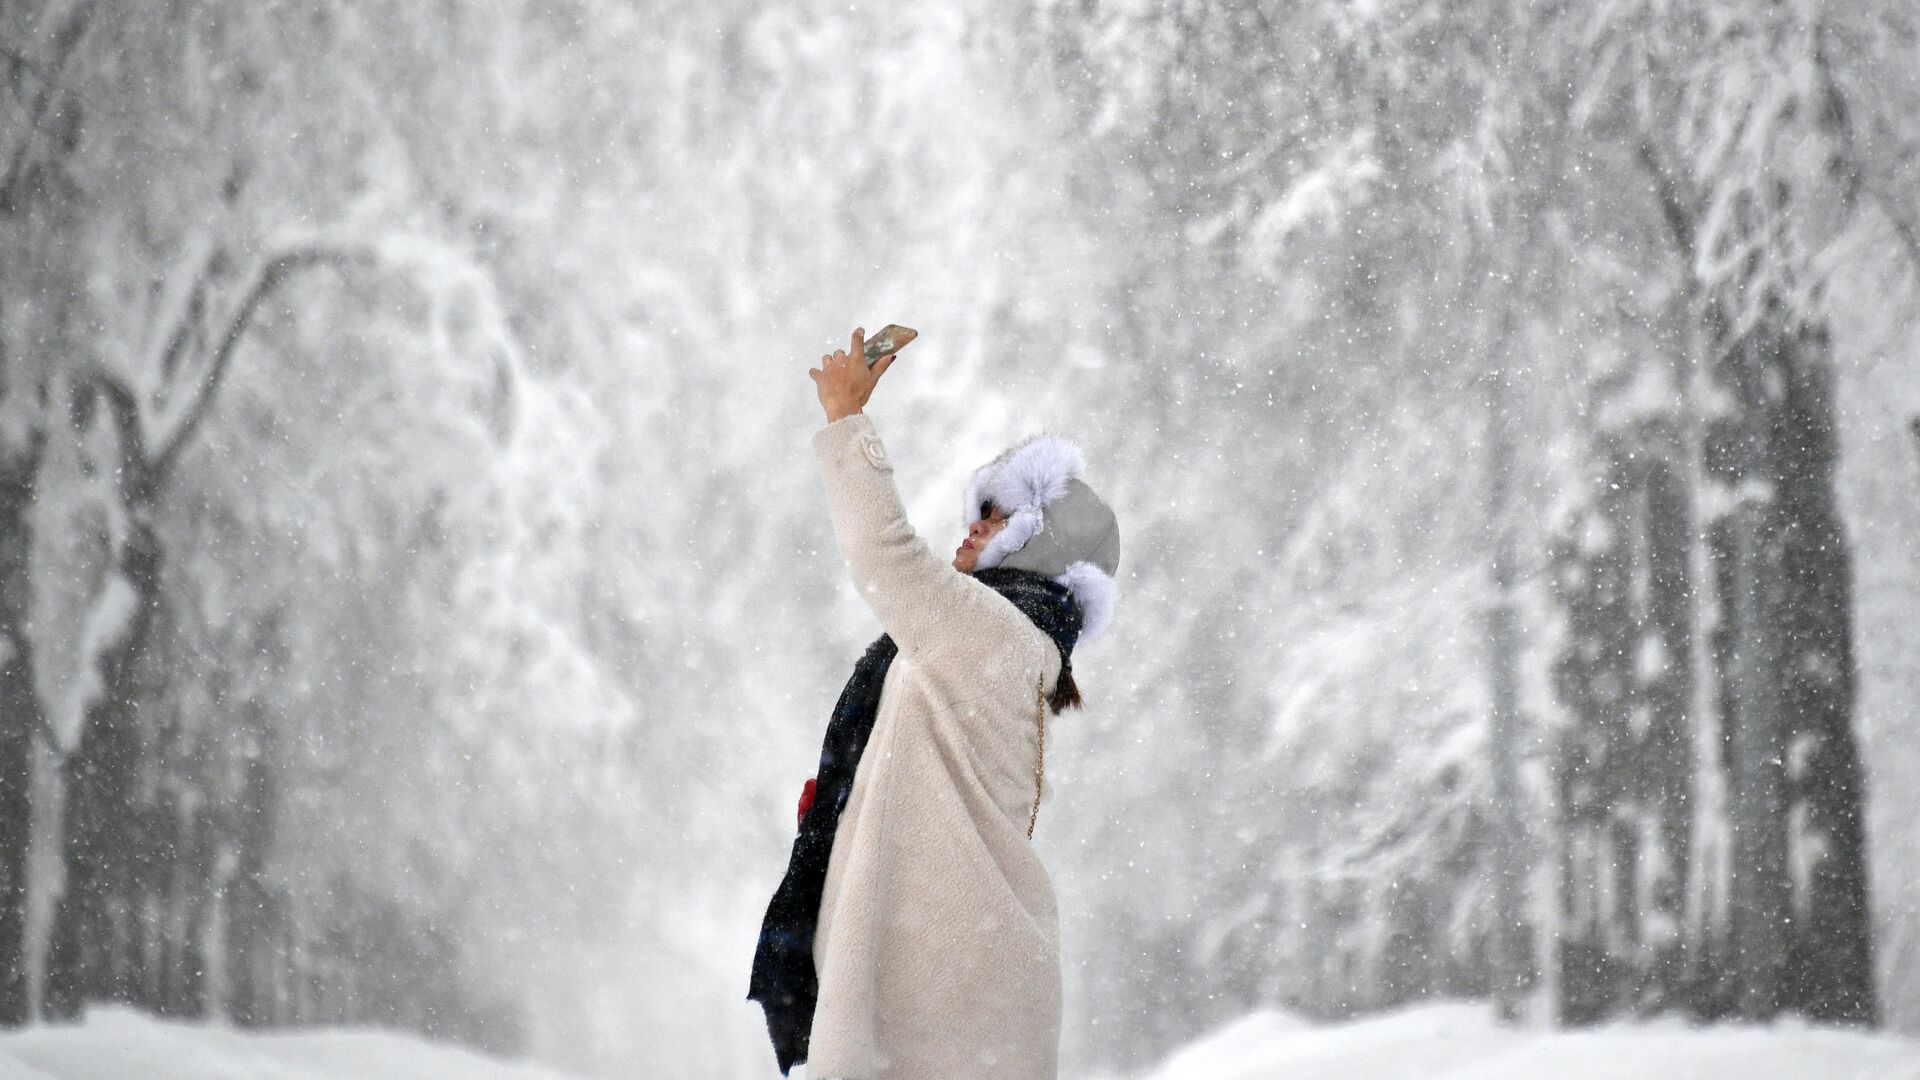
(1462, 1042)
(1434, 1042)
(121, 1044)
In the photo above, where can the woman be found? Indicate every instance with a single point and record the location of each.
(915, 934)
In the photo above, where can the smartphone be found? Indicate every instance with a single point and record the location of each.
(891, 339)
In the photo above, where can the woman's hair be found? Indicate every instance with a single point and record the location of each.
(1065, 692)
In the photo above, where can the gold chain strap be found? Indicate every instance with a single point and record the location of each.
(1040, 766)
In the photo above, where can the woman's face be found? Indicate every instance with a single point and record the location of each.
(967, 556)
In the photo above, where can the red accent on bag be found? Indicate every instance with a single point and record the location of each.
(806, 800)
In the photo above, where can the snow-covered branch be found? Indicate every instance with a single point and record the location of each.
(275, 272)
(67, 41)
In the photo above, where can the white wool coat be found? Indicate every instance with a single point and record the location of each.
(938, 941)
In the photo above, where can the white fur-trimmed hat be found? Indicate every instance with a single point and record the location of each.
(1056, 525)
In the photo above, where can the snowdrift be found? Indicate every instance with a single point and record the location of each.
(123, 1044)
(1462, 1042)
(1433, 1042)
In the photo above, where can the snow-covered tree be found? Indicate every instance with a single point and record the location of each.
(1444, 205)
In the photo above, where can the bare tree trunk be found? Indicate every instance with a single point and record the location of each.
(1801, 936)
(1832, 965)
(108, 850)
(1625, 766)
(246, 955)
(1704, 921)
(22, 716)
(1667, 761)
(1590, 576)
(1510, 952)
(1761, 882)
(102, 921)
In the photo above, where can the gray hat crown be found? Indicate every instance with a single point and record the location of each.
(1076, 527)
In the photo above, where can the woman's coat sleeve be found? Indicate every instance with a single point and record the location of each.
(932, 611)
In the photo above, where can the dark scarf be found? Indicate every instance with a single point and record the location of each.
(784, 982)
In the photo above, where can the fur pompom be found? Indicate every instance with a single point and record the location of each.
(1097, 595)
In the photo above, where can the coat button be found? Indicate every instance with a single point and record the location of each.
(876, 453)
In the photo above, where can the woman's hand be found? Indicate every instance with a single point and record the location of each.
(844, 381)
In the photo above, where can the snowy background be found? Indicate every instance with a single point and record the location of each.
(418, 607)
